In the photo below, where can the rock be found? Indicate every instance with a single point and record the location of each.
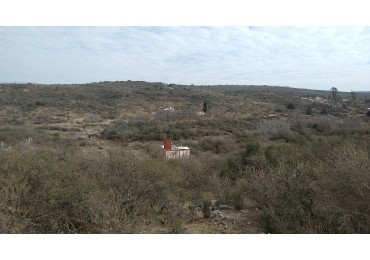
(214, 213)
(187, 205)
(214, 205)
(217, 214)
(244, 211)
(223, 207)
(198, 215)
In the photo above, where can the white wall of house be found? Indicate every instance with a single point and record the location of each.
(177, 152)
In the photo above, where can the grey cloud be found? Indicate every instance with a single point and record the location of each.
(315, 57)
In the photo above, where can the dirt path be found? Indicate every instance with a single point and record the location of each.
(228, 221)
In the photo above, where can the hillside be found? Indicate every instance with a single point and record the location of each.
(86, 158)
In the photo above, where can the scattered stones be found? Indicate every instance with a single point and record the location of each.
(224, 207)
(214, 204)
(186, 205)
(217, 214)
(198, 215)
(224, 226)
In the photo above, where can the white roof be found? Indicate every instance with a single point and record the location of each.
(174, 147)
(182, 147)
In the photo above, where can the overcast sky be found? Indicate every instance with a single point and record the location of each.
(302, 57)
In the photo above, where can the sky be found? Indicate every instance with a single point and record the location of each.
(300, 57)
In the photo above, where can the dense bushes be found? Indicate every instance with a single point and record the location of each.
(290, 163)
(324, 191)
(56, 192)
(155, 130)
(300, 187)
(218, 144)
(273, 129)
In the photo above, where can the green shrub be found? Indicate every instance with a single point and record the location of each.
(290, 106)
(323, 111)
(206, 145)
(297, 139)
(206, 208)
(231, 168)
(269, 226)
(252, 148)
(237, 200)
(309, 111)
(40, 103)
(273, 153)
(110, 134)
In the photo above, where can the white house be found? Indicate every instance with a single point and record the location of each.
(169, 109)
(175, 152)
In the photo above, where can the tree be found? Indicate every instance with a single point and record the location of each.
(308, 111)
(353, 96)
(368, 113)
(205, 106)
(290, 106)
(334, 93)
(323, 111)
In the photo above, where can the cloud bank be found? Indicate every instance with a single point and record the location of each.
(302, 57)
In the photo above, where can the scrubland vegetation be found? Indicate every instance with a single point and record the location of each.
(87, 159)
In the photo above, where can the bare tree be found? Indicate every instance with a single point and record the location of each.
(353, 96)
(93, 118)
(334, 93)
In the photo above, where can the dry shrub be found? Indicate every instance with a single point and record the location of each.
(56, 192)
(300, 123)
(284, 195)
(322, 125)
(347, 179)
(328, 192)
(352, 126)
(218, 144)
(273, 129)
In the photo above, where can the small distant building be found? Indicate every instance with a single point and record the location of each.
(169, 109)
(175, 152)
